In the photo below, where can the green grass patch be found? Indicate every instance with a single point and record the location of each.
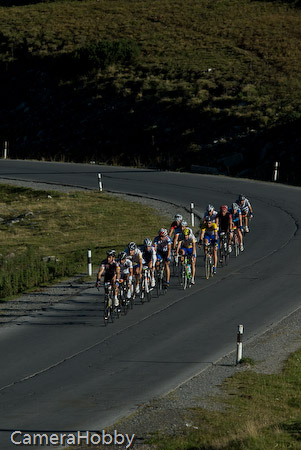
(45, 235)
(259, 412)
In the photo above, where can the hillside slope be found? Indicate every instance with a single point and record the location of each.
(165, 83)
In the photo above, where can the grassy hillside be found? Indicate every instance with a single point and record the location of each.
(156, 82)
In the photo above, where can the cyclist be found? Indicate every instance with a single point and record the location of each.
(209, 234)
(176, 225)
(125, 271)
(135, 255)
(108, 267)
(149, 258)
(224, 222)
(187, 246)
(178, 232)
(237, 224)
(246, 210)
(162, 244)
(210, 211)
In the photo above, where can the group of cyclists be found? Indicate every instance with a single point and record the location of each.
(176, 242)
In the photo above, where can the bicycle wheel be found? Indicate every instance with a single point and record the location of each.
(180, 275)
(221, 256)
(208, 269)
(142, 289)
(185, 277)
(111, 315)
(236, 245)
(106, 315)
(148, 288)
(106, 310)
(125, 306)
(226, 259)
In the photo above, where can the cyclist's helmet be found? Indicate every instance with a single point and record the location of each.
(132, 246)
(122, 256)
(184, 223)
(224, 208)
(210, 208)
(241, 197)
(208, 219)
(234, 206)
(163, 232)
(178, 218)
(147, 242)
(186, 232)
(111, 253)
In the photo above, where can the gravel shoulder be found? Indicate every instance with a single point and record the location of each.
(168, 413)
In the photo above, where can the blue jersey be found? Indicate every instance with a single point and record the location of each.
(235, 216)
(148, 255)
(162, 244)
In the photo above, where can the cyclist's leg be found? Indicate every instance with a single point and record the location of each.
(137, 277)
(167, 269)
(215, 249)
(115, 291)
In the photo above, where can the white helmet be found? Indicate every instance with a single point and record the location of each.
(178, 218)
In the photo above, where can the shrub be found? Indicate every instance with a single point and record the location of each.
(101, 54)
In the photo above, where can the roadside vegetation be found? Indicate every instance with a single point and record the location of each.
(255, 412)
(45, 235)
(159, 83)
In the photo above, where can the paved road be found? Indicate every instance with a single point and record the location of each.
(62, 370)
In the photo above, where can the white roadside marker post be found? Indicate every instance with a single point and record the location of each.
(276, 171)
(100, 182)
(239, 344)
(192, 214)
(89, 253)
(5, 150)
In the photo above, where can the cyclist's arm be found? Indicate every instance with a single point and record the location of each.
(194, 248)
(140, 264)
(100, 272)
(169, 251)
(240, 220)
(250, 207)
(202, 234)
(154, 257)
(175, 240)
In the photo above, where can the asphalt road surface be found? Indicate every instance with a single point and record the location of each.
(62, 370)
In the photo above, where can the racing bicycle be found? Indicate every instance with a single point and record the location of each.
(185, 276)
(110, 311)
(209, 258)
(223, 249)
(145, 285)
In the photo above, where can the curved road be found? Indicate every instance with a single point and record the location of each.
(62, 370)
